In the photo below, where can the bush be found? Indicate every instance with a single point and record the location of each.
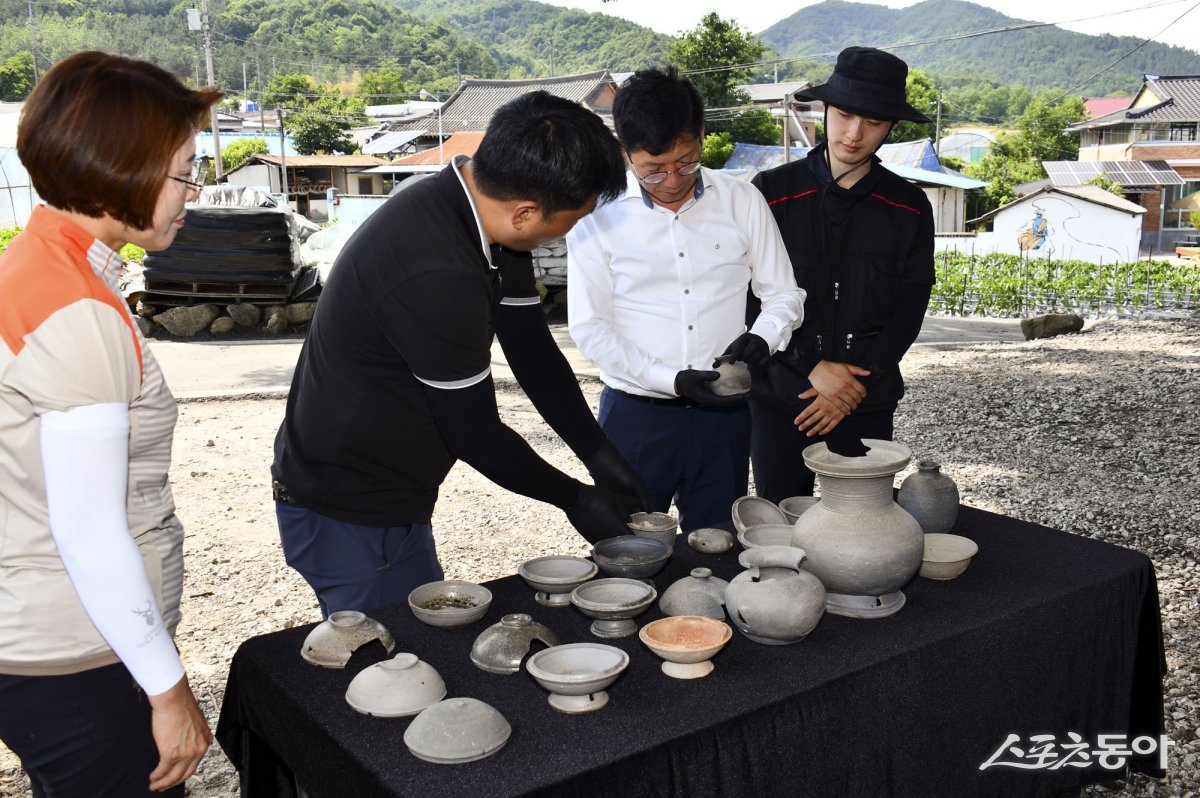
(7, 235)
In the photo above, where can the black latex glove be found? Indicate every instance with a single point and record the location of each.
(609, 470)
(599, 513)
(696, 385)
(748, 348)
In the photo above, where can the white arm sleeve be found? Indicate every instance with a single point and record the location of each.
(85, 455)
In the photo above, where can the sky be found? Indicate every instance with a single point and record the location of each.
(1143, 18)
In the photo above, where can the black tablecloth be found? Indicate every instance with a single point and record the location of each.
(1046, 633)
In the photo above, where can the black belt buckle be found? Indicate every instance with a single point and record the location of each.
(280, 493)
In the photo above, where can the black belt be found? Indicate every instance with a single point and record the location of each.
(280, 493)
(662, 401)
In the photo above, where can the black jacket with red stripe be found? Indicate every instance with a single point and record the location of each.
(865, 257)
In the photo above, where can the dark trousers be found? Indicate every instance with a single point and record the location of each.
(356, 567)
(777, 446)
(698, 456)
(82, 734)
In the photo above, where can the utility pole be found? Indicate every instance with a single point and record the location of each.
(283, 184)
(33, 42)
(787, 124)
(208, 62)
(937, 128)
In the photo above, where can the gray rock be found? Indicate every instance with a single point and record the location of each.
(301, 312)
(222, 325)
(146, 311)
(1050, 325)
(244, 314)
(143, 324)
(187, 321)
(277, 323)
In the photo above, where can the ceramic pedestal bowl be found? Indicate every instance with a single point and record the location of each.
(660, 526)
(630, 556)
(686, 643)
(555, 576)
(332, 641)
(449, 602)
(577, 674)
(456, 730)
(766, 535)
(794, 506)
(613, 603)
(946, 556)
(396, 688)
(753, 510)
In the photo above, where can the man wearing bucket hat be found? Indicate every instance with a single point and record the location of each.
(860, 240)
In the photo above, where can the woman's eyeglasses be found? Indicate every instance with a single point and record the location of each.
(197, 178)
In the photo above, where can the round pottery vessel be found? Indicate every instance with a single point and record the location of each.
(734, 379)
(396, 688)
(501, 647)
(931, 497)
(794, 506)
(577, 674)
(701, 593)
(687, 643)
(631, 556)
(660, 526)
(766, 535)
(710, 540)
(331, 642)
(861, 544)
(752, 510)
(449, 602)
(947, 556)
(774, 601)
(456, 730)
(555, 576)
(613, 603)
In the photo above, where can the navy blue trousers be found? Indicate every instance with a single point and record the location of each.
(355, 567)
(698, 456)
(82, 734)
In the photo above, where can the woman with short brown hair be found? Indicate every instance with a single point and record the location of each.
(93, 696)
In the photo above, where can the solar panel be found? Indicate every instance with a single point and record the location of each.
(1126, 174)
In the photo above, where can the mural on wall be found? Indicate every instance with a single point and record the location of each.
(1036, 233)
(1040, 236)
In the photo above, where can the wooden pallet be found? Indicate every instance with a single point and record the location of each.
(1190, 253)
(230, 290)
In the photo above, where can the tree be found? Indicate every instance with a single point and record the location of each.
(240, 151)
(717, 149)
(384, 87)
(922, 95)
(726, 50)
(1111, 186)
(16, 77)
(320, 127)
(289, 90)
(755, 126)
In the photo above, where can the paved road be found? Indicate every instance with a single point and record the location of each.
(210, 369)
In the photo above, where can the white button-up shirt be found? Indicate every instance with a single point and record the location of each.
(653, 291)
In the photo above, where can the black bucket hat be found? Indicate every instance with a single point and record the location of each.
(867, 82)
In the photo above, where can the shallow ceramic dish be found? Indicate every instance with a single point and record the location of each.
(710, 540)
(734, 379)
(456, 730)
(555, 576)
(946, 556)
(686, 643)
(613, 603)
(794, 506)
(450, 602)
(331, 642)
(396, 688)
(577, 674)
(766, 535)
(631, 556)
(753, 510)
(501, 647)
(659, 526)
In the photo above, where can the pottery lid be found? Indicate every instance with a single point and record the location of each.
(501, 647)
(331, 642)
(882, 458)
(457, 730)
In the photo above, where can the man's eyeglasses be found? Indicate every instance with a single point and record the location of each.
(197, 177)
(654, 178)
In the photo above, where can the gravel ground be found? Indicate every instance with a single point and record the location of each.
(1094, 433)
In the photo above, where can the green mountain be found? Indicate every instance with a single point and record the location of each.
(1091, 66)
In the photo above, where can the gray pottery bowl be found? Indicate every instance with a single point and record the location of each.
(457, 730)
(766, 535)
(946, 556)
(660, 526)
(450, 602)
(555, 576)
(331, 642)
(794, 506)
(396, 688)
(754, 510)
(577, 674)
(631, 556)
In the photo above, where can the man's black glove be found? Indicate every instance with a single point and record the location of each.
(599, 513)
(609, 470)
(697, 386)
(748, 348)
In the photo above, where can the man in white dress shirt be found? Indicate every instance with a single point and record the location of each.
(658, 284)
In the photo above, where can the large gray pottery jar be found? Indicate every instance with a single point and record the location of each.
(774, 601)
(931, 497)
(858, 540)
